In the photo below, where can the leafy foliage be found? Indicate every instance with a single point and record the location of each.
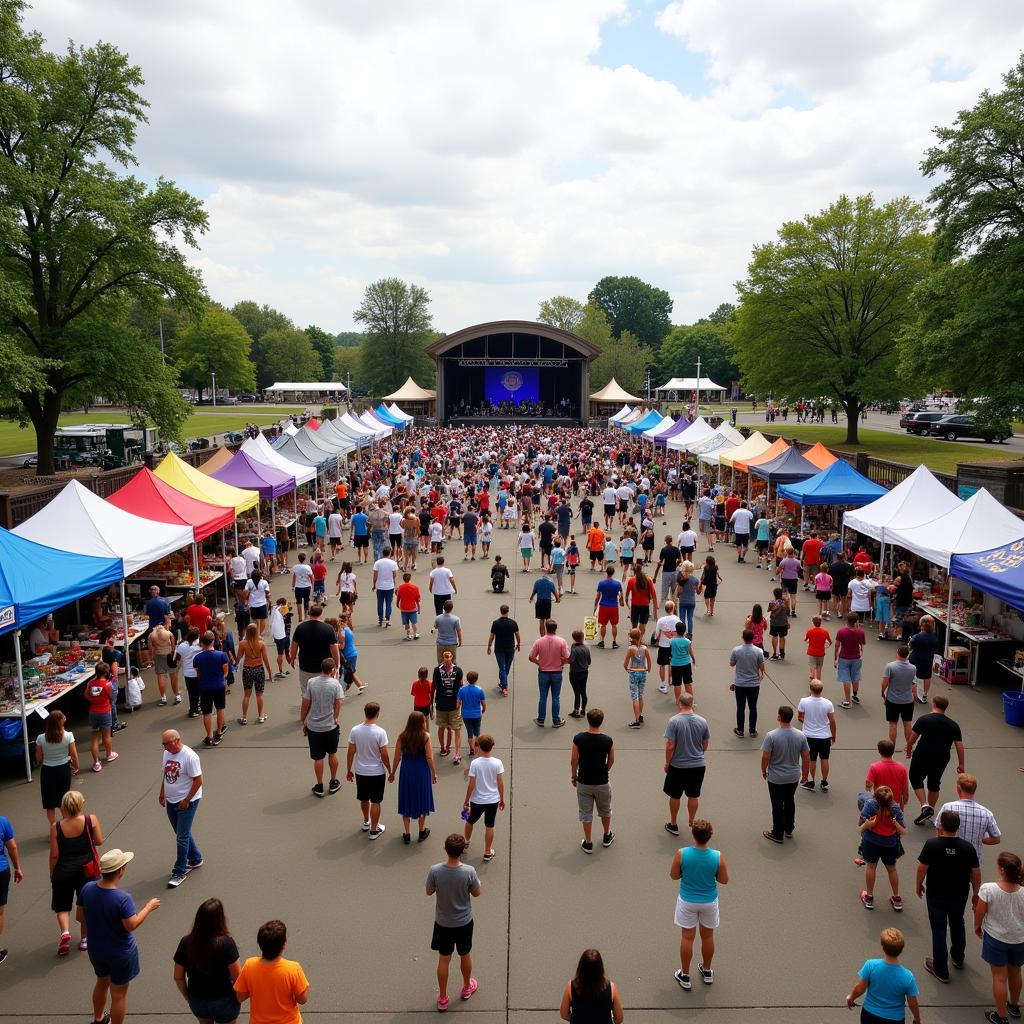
(325, 345)
(707, 340)
(635, 306)
(562, 311)
(397, 321)
(623, 358)
(215, 343)
(288, 354)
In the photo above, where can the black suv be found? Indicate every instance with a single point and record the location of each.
(920, 422)
(957, 425)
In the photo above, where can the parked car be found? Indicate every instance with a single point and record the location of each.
(957, 425)
(249, 399)
(919, 422)
(31, 462)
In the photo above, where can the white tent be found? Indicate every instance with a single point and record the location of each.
(331, 434)
(977, 524)
(395, 411)
(666, 424)
(78, 520)
(290, 428)
(621, 414)
(353, 427)
(725, 438)
(373, 425)
(259, 448)
(312, 387)
(698, 431)
(919, 499)
(690, 384)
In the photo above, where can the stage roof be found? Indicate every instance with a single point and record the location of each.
(450, 341)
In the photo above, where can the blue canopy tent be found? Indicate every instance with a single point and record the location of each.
(36, 579)
(998, 571)
(387, 416)
(653, 418)
(840, 484)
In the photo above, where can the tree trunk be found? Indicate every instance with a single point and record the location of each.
(852, 407)
(46, 425)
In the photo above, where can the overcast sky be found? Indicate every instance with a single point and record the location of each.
(498, 153)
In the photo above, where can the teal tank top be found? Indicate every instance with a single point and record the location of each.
(699, 870)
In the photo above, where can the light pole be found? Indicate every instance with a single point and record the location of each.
(213, 374)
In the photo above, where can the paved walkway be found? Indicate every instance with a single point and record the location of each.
(793, 932)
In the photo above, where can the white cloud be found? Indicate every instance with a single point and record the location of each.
(473, 146)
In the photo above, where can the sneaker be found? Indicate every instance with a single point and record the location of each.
(738, 732)
(846, 704)
(318, 789)
(683, 979)
(633, 725)
(194, 714)
(586, 847)
(808, 785)
(663, 688)
(242, 721)
(557, 724)
(469, 989)
(867, 899)
(162, 702)
(615, 646)
(752, 733)
(378, 831)
(539, 721)
(175, 880)
(929, 966)
(96, 766)
(926, 812)
(768, 834)
(365, 826)
(922, 700)
(707, 975)
(177, 698)
(64, 946)
(442, 1003)
(600, 643)
(824, 785)
(855, 698)
(489, 855)
(608, 839)
(993, 1018)
(422, 837)
(896, 902)
(334, 785)
(1013, 1009)
(671, 828)
(113, 756)
(261, 719)
(198, 864)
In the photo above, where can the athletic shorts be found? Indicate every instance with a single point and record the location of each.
(822, 595)
(281, 644)
(543, 610)
(259, 612)
(370, 787)
(120, 972)
(447, 940)
(897, 712)
(696, 915)
(608, 615)
(609, 510)
(323, 743)
(210, 699)
(640, 614)
(874, 852)
(761, 545)
(778, 630)
(586, 798)
(5, 886)
(789, 586)
(362, 541)
(922, 772)
(99, 720)
(819, 747)
(683, 780)
(302, 597)
(664, 656)
(254, 677)
(489, 812)
(682, 674)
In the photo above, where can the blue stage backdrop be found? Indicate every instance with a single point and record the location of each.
(512, 384)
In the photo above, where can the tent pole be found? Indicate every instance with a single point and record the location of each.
(227, 583)
(801, 519)
(195, 565)
(124, 623)
(21, 695)
(236, 535)
(949, 616)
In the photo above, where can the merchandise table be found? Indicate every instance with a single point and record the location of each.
(974, 636)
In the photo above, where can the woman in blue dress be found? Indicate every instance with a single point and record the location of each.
(417, 778)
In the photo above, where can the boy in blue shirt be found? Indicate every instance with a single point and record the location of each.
(472, 702)
(885, 984)
(268, 544)
(682, 662)
(544, 589)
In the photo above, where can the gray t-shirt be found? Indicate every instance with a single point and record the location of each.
(900, 675)
(446, 626)
(688, 732)
(748, 660)
(453, 887)
(785, 747)
(322, 692)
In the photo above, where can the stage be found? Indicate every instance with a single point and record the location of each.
(455, 420)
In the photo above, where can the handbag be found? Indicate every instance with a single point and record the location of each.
(91, 869)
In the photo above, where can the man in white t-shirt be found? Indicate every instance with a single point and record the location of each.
(302, 584)
(817, 715)
(335, 525)
(395, 529)
(237, 571)
(442, 584)
(740, 521)
(485, 794)
(608, 497)
(368, 765)
(624, 494)
(665, 629)
(251, 554)
(181, 789)
(384, 571)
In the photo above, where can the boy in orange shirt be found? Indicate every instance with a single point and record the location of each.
(818, 639)
(423, 693)
(408, 598)
(277, 987)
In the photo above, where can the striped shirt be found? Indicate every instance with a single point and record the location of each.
(976, 821)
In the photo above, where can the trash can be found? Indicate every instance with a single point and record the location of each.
(1013, 707)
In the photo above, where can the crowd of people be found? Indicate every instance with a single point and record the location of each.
(595, 508)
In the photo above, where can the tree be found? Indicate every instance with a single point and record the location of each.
(325, 345)
(215, 343)
(633, 305)
(257, 321)
(561, 311)
(78, 241)
(971, 307)
(397, 322)
(289, 355)
(623, 358)
(706, 340)
(349, 339)
(722, 314)
(822, 308)
(347, 360)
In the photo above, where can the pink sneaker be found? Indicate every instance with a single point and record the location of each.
(442, 1003)
(469, 989)
(114, 755)
(96, 766)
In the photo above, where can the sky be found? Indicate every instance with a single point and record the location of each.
(499, 153)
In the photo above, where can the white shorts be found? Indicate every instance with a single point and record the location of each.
(694, 915)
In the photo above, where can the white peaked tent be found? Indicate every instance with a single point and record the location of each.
(697, 432)
(410, 391)
(374, 425)
(919, 499)
(725, 438)
(290, 428)
(80, 521)
(395, 411)
(621, 414)
(666, 424)
(354, 428)
(259, 448)
(613, 391)
(977, 524)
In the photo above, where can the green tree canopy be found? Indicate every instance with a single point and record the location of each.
(289, 355)
(706, 340)
(77, 241)
(215, 343)
(325, 345)
(635, 306)
(347, 360)
(257, 321)
(822, 308)
(623, 358)
(397, 322)
(561, 311)
(971, 308)
(349, 339)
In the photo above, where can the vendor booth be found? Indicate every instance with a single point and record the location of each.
(187, 479)
(756, 444)
(687, 440)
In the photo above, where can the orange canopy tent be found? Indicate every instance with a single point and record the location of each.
(779, 446)
(819, 455)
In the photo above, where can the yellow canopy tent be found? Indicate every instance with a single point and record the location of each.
(749, 449)
(185, 478)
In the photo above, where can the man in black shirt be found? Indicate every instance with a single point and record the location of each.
(668, 565)
(447, 680)
(947, 872)
(546, 531)
(938, 734)
(586, 512)
(313, 641)
(903, 596)
(593, 754)
(841, 572)
(504, 642)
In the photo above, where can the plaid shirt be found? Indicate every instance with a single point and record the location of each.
(976, 821)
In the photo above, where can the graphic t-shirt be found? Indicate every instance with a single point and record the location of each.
(179, 771)
(98, 694)
(447, 683)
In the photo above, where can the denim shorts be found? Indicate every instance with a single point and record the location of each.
(223, 1009)
(637, 682)
(99, 720)
(997, 953)
(848, 670)
(120, 972)
(472, 726)
(410, 618)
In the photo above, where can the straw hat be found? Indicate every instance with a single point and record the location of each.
(114, 860)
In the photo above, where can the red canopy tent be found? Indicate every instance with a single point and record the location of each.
(148, 496)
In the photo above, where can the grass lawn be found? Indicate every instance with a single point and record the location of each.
(204, 421)
(941, 456)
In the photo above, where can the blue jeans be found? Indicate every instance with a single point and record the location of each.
(377, 538)
(686, 616)
(504, 660)
(384, 599)
(549, 682)
(181, 822)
